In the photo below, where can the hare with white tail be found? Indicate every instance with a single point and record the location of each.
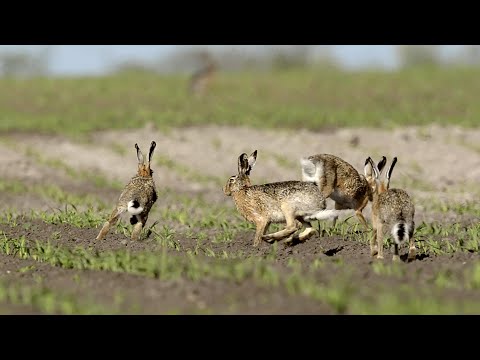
(295, 203)
(340, 181)
(392, 209)
(137, 198)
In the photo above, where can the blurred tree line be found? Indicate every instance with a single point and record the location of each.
(252, 57)
(430, 55)
(281, 57)
(25, 63)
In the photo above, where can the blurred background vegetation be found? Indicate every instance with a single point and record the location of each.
(28, 63)
(290, 86)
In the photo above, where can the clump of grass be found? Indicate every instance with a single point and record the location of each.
(438, 239)
(85, 219)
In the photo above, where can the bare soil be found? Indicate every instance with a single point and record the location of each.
(441, 164)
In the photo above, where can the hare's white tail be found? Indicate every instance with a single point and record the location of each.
(310, 172)
(400, 232)
(325, 214)
(134, 207)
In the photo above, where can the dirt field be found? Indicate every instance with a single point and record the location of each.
(434, 165)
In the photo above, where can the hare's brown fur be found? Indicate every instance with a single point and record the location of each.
(392, 210)
(201, 79)
(295, 203)
(137, 197)
(339, 181)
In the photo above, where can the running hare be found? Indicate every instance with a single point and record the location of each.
(393, 210)
(339, 180)
(293, 202)
(137, 197)
(202, 78)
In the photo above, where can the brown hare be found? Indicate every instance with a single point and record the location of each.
(201, 79)
(137, 198)
(392, 210)
(339, 181)
(295, 203)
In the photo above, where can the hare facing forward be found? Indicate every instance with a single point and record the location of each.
(295, 203)
(339, 181)
(137, 198)
(392, 210)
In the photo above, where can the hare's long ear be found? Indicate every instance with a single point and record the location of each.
(152, 148)
(252, 159)
(367, 170)
(140, 156)
(376, 173)
(389, 172)
(243, 164)
(381, 164)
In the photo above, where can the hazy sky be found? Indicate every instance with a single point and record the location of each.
(94, 59)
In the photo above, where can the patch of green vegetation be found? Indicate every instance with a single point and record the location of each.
(26, 268)
(430, 238)
(470, 207)
(48, 301)
(444, 279)
(51, 192)
(289, 99)
(438, 239)
(12, 187)
(394, 269)
(343, 295)
(472, 277)
(406, 301)
(85, 219)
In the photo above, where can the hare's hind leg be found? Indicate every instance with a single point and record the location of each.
(373, 245)
(111, 221)
(359, 213)
(292, 226)
(396, 255)
(138, 225)
(308, 232)
(304, 235)
(412, 251)
(380, 240)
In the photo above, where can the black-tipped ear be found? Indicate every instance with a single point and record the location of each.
(139, 154)
(152, 148)
(243, 164)
(381, 164)
(374, 168)
(389, 173)
(252, 159)
(367, 169)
